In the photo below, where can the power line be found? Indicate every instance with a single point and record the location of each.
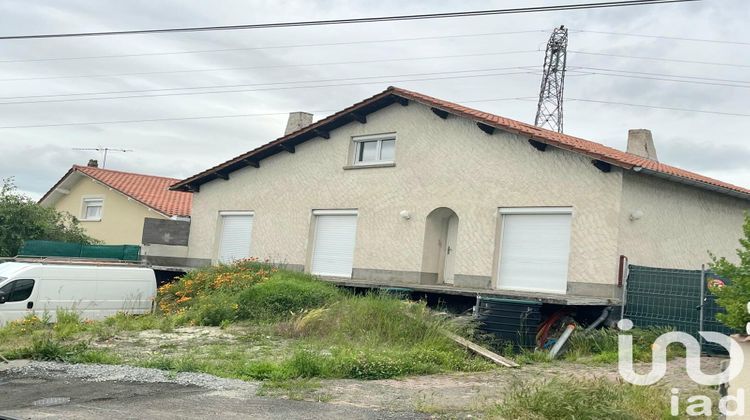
(673, 38)
(112, 92)
(562, 7)
(271, 88)
(662, 74)
(630, 76)
(273, 47)
(208, 117)
(702, 111)
(672, 60)
(273, 66)
(596, 71)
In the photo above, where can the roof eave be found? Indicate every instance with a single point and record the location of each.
(693, 183)
(317, 129)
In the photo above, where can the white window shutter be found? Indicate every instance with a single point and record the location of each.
(236, 232)
(535, 250)
(333, 248)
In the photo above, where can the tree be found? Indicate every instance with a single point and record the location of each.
(734, 297)
(22, 219)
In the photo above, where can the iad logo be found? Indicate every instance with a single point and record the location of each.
(698, 405)
(692, 359)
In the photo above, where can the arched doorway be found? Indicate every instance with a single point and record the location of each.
(439, 254)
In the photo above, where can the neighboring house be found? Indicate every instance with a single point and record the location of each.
(125, 208)
(403, 188)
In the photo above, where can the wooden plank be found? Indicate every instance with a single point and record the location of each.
(476, 348)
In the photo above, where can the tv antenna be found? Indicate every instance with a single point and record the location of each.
(549, 112)
(105, 150)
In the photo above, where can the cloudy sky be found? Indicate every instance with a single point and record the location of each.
(492, 63)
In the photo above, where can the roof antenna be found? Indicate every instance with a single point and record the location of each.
(103, 149)
(549, 111)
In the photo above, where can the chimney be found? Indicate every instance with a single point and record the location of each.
(93, 163)
(641, 143)
(298, 121)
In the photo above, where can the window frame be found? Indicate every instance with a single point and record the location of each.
(86, 203)
(379, 139)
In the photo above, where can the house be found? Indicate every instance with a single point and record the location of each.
(118, 207)
(406, 189)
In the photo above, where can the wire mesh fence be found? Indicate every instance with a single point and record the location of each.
(672, 298)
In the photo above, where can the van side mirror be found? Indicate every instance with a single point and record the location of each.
(3, 297)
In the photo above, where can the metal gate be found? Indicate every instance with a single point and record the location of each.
(672, 298)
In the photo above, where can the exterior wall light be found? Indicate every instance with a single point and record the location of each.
(405, 214)
(637, 214)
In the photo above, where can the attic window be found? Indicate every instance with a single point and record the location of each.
(92, 209)
(373, 150)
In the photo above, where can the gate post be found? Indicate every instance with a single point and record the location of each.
(702, 304)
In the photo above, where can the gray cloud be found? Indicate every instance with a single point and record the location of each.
(37, 157)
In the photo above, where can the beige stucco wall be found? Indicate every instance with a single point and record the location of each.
(680, 223)
(439, 163)
(122, 218)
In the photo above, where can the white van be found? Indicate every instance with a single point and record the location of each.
(95, 291)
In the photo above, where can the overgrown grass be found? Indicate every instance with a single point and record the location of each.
(324, 332)
(294, 389)
(361, 337)
(283, 296)
(583, 400)
(601, 345)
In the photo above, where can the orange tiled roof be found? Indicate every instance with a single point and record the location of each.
(592, 149)
(564, 141)
(152, 191)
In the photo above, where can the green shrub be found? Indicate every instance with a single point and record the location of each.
(584, 400)
(262, 370)
(735, 296)
(68, 323)
(99, 356)
(283, 295)
(308, 364)
(44, 346)
(191, 288)
(212, 309)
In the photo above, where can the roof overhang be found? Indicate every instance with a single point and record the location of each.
(355, 113)
(358, 113)
(61, 188)
(693, 183)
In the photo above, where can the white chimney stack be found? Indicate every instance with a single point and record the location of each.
(641, 143)
(297, 121)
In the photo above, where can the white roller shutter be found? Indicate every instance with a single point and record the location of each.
(333, 247)
(236, 231)
(535, 249)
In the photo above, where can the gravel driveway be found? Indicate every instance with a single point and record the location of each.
(55, 390)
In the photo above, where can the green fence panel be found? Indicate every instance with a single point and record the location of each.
(49, 249)
(73, 250)
(660, 297)
(663, 297)
(131, 252)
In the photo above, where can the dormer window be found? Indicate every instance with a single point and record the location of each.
(374, 150)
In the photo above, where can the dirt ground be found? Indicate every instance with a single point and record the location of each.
(453, 394)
